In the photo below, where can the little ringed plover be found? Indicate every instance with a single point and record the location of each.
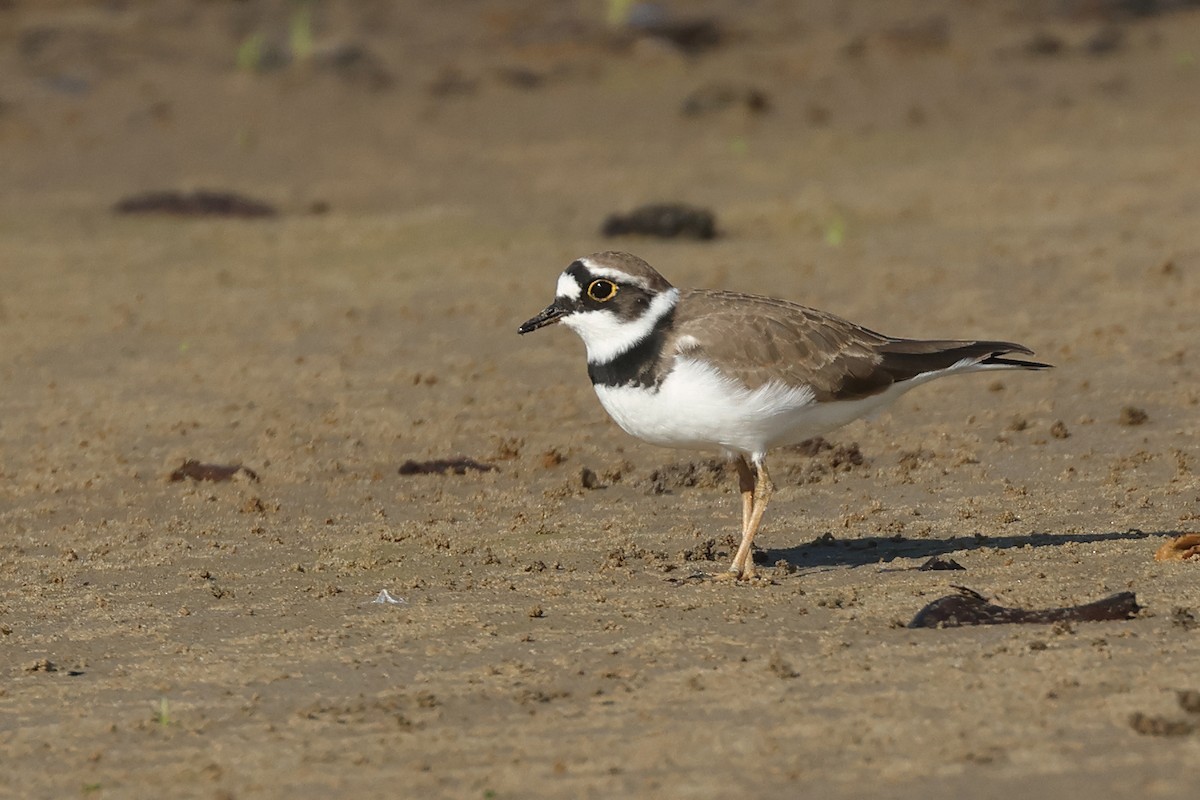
(738, 373)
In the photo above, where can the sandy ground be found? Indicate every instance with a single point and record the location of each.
(929, 169)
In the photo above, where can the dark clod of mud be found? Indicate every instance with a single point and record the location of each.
(451, 82)
(971, 608)
(685, 476)
(1132, 415)
(716, 97)
(664, 220)
(1160, 726)
(588, 479)
(708, 550)
(827, 458)
(440, 466)
(781, 667)
(1189, 700)
(937, 562)
(355, 63)
(812, 447)
(211, 472)
(1184, 618)
(1105, 41)
(691, 35)
(1121, 10)
(521, 77)
(928, 35)
(1045, 44)
(200, 203)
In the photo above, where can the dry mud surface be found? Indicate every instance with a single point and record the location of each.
(1006, 170)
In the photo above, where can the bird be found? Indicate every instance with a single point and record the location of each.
(739, 374)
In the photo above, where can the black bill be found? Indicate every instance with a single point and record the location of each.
(548, 316)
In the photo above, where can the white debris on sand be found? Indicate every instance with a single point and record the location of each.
(385, 596)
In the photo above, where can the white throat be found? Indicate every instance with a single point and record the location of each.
(607, 336)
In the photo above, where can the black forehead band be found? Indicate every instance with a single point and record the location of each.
(580, 273)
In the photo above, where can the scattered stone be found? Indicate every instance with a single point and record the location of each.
(535, 612)
(664, 220)
(552, 458)
(200, 203)
(1059, 430)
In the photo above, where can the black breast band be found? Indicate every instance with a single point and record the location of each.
(640, 364)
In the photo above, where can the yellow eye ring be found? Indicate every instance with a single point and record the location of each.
(602, 290)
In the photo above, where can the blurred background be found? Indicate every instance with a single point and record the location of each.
(552, 113)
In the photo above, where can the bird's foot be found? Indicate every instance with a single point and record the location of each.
(747, 573)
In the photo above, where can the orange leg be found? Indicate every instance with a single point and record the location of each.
(756, 493)
(746, 486)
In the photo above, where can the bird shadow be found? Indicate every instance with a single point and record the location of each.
(827, 551)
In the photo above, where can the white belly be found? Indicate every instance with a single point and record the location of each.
(698, 408)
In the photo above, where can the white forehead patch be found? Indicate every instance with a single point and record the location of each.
(620, 276)
(568, 287)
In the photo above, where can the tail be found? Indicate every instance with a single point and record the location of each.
(905, 359)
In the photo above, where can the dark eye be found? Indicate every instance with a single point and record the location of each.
(602, 291)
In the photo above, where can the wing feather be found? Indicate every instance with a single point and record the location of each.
(760, 339)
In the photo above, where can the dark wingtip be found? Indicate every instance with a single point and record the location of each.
(1015, 363)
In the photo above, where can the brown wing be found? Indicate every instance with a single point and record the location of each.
(758, 339)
